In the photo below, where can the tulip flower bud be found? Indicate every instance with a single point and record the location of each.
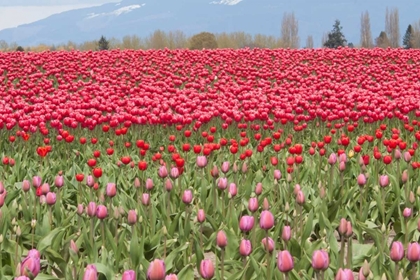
(300, 198)
(397, 154)
(145, 199)
(253, 204)
(364, 270)
(246, 223)
(101, 212)
(214, 172)
(80, 209)
(265, 205)
(268, 245)
(361, 180)
(342, 166)
(90, 181)
(407, 212)
(266, 220)
(221, 239)
(137, 183)
(277, 174)
(342, 157)
(245, 248)
(349, 231)
(129, 275)
(168, 185)
(206, 269)
(201, 161)
(36, 181)
(26, 185)
(45, 188)
(91, 209)
(404, 176)
(235, 168)
(51, 198)
(156, 270)
(332, 159)
(413, 252)
(383, 181)
(171, 277)
(33, 223)
(174, 173)
(342, 228)
(244, 167)
(407, 157)
(31, 265)
(73, 247)
(91, 273)
(344, 274)
(201, 216)
(59, 181)
(285, 261)
(222, 183)
(397, 251)
(111, 189)
(187, 196)
(286, 233)
(296, 189)
(18, 231)
(258, 189)
(320, 260)
(162, 172)
(225, 167)
(322, 192)
(233, 191)
(411, 197)
(149, 184)
(132, 217)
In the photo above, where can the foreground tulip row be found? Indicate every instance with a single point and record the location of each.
(246, 172)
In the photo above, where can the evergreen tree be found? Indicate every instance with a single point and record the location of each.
(336, 37)
(408, 38)
(20, 49)
(103, 44)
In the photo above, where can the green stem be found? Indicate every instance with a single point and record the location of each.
(330, 184)
(50, 216)
(222, 259)
(223, 204)
(103, 233)
(268, 256)
(349, 263)
(341, 260)
(413, 272)
(396, 272)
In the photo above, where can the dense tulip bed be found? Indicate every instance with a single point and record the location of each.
(222, 164)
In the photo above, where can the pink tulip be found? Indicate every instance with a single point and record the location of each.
(407, 157)
(90, 181)
(344, 274)
(407, 212)
(45, 188)
(201, 161)
(268, 245)
(266, 220)
(245, 248)
(320, 260)
(383, 181)
(342, 228)
(111, 189)
(168, 185)
(149, 184)
(174, 173)
(59, 181)
(277, 174)
(413, 252)
(156, 270)
(342, 166)
(73, 247)
(258, 189)
(246, 223)
(332, 159)
(222, 183)
(101, 212)
(300, 198)
(397, 154)
(397, 251)
(31, 265)
(286, 233)
(361, 180)
(129, 275)
(233, 190)
(187, 197)
(244, 167)
(162, 172)
(91, 273)
(206, 269)
(26, 185)
(171, 277)
(36, 181)
(22, 278)
(214, 172)
(201, 216)
(253, 204)
(137, 183)
(221, 239)
(132, 217)
(145, 199)
(91, 209)
(285, 261)
(225, 167)
(51, 198)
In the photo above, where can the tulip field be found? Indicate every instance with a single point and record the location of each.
(214, 164)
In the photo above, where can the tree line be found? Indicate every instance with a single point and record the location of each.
(289, 38)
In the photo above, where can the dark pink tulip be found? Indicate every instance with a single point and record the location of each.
(285, 261)
(253, 204)
(206, 269)
(111, 189)
(246, 223)
(201, 216)
(59, 181)
(129, 275)
(215, 172)
(171, 277)
(221, 239)
(45, 188)
(413, 252)
(51, 198)
(91, 273)
(300, 198)
(286, 233)
(168, 185)
(266, 220)
(344, 274)
(268, 245)
(320, 260)
(361, 180)
(245, 248)
(187, 196)
(397, 154)
(101, 212)
(397, 251)
(407, 212)
(31, 265)
(342, 228)
(156, 270)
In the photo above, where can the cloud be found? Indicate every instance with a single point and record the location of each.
(226, 2)
(9, 3)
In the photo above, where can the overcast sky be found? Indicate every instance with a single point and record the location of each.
(17, 12)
